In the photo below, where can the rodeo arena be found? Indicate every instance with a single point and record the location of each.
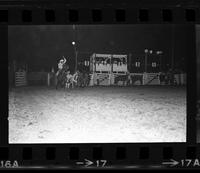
(106, 98)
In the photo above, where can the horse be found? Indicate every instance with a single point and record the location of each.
(67, 80)
(61, 77)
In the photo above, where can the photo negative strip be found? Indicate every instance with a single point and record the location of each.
(99, 85)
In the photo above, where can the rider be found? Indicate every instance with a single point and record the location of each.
(60, 65)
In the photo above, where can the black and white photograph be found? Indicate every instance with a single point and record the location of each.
(98, 83)
(198, 80)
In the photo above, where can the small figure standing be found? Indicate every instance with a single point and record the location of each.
(68, 79)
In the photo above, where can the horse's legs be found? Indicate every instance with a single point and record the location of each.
(65, 86)
(73, 84)
(57, 83)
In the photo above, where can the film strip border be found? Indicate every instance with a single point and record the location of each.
(99, 13)
(101, 156)
(105, 155)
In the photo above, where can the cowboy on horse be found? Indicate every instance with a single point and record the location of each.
(61, 65)
(65, 79)
(61, 73)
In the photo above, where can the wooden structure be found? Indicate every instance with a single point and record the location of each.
(20, 78)
(20, 73)
(105, 67)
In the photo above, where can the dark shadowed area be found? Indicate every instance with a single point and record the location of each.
(42, 46)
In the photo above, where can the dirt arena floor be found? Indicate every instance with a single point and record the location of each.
(97, 115)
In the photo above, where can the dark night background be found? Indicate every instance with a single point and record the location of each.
(42, 46)
(198, 58)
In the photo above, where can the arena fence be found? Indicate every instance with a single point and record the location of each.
(107, 79)
(135, 79)
(151, 79)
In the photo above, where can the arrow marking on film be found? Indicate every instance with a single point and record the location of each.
(88, 162)
(172, 163)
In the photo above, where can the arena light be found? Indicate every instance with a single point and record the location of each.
(159, 52)
(73, 43)
(146, 50)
